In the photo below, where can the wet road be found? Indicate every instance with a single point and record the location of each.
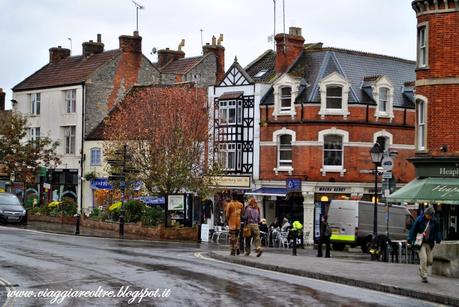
(37, 261)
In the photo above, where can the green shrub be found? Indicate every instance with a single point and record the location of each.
(153, 216)
(95, 214)
(134, 210)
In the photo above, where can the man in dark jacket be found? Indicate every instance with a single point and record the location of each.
(325, 235)
(428, 226)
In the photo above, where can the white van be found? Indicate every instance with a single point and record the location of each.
(351, 222)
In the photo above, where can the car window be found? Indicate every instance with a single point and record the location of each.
(8, 200)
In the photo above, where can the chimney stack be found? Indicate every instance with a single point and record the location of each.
(219, 51)
(288, 48)
(90, 48)
(132, 44)
(2, 99)
(58, 53)
(167, 55)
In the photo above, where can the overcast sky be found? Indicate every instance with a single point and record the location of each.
(28, 28)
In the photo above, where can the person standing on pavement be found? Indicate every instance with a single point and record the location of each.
(252, 218)
(426, 225)
(233, 213)
(325, 235)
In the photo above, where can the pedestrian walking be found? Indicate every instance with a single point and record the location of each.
(424, 233)
(251, 220)
(325, 234)
(233, 213)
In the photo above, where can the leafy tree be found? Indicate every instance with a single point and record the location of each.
(167, 130)
(20, 156)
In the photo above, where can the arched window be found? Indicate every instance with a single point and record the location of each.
(284, 151)
(95, 156)
(333, 150)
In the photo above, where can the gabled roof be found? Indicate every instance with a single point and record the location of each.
(71, 70)
(182, 66)
(266, 61)
(236, 75)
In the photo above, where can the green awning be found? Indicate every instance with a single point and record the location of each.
(431, 190)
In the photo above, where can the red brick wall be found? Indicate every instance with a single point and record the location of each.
(307, 160)
(443, 101)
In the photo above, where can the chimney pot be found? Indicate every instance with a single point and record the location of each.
(99, 38)
(136, 33)
(294, 31)
(2, 99)
(288, 48)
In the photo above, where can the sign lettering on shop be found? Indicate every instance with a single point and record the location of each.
(332, 189)
(230, 181)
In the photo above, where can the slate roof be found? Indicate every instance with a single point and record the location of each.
(71, 70)
(266, 61)
(182, 66)
(360, 68)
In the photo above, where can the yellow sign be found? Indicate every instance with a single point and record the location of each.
(230, 181)
(2, 190)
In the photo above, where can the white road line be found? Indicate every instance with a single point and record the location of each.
(6, 284)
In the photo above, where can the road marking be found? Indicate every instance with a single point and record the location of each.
(8, 288)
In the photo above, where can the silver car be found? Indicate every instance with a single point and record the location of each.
(11, 209)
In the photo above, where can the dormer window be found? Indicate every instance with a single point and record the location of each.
(383, 94)
(286, 99)
(334, 95)
(383, 99)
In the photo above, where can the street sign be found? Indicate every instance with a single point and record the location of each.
(387, 175)
(293, 184)
(386, 193)
(387, 163)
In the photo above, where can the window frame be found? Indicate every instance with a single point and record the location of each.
(95, 156)
(334, 80)
(422, 56)
(34, 134)
(333, 150)
(70, 140)
(285, 98)
(421, 138)
(334, 97)
(225, 149)
(287, 148)
(380, 84)
(70, 101)
(35, 104)
(224, 109)
(344, 142)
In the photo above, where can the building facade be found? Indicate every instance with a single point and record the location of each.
(324, 110)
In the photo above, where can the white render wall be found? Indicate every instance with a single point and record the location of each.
(87, 168)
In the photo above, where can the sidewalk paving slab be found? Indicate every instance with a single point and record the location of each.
(394, 278)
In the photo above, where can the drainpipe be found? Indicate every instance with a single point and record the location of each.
(83, 106)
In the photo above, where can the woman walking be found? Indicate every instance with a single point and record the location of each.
(251, 219)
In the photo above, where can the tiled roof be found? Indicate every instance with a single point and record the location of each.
(231, 95)
(182, 66)
(71, 70)
(267, 61)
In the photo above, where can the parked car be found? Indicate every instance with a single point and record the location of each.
(11, 209)
(351, 223)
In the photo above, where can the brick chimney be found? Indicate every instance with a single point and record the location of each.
(91, 47)
(132, 44)
(58, 53)
(167, 55)
(2, 99)
(219, 51)
(288, 48)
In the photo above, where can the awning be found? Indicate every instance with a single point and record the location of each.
(282, 192)
(432, 190)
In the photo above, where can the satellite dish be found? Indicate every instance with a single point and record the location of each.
(153, 50)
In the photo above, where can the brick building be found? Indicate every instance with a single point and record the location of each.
(437, 108)
(323, 111)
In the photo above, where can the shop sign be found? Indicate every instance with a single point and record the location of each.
(101, 184)
(176, 202)
(230, 181)
(333, 190)
(450, 171)
(293, 184)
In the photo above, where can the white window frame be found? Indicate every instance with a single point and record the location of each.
(34, 133)
(286, 98)
(421, 126)
(70, 101)
(225, 150)
(285, 81)
(345, 141)
(35, 103)
(70, 140)
(276, 140)
(333, 150)
(423, 45)
(225, 107)
(334, 80)
(384, 83)
(96, 156)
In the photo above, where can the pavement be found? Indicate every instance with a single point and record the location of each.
(351, 268)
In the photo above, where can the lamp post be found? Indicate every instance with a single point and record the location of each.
(376, 153)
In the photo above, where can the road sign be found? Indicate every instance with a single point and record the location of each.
(387, 163)
(293, 184)
(387, 175)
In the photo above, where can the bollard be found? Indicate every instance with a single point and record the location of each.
(295, 236)
(122, 225)
(77, 230)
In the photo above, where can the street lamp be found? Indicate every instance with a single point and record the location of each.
(376, 153)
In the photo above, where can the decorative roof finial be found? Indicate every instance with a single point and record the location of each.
(235, 59)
